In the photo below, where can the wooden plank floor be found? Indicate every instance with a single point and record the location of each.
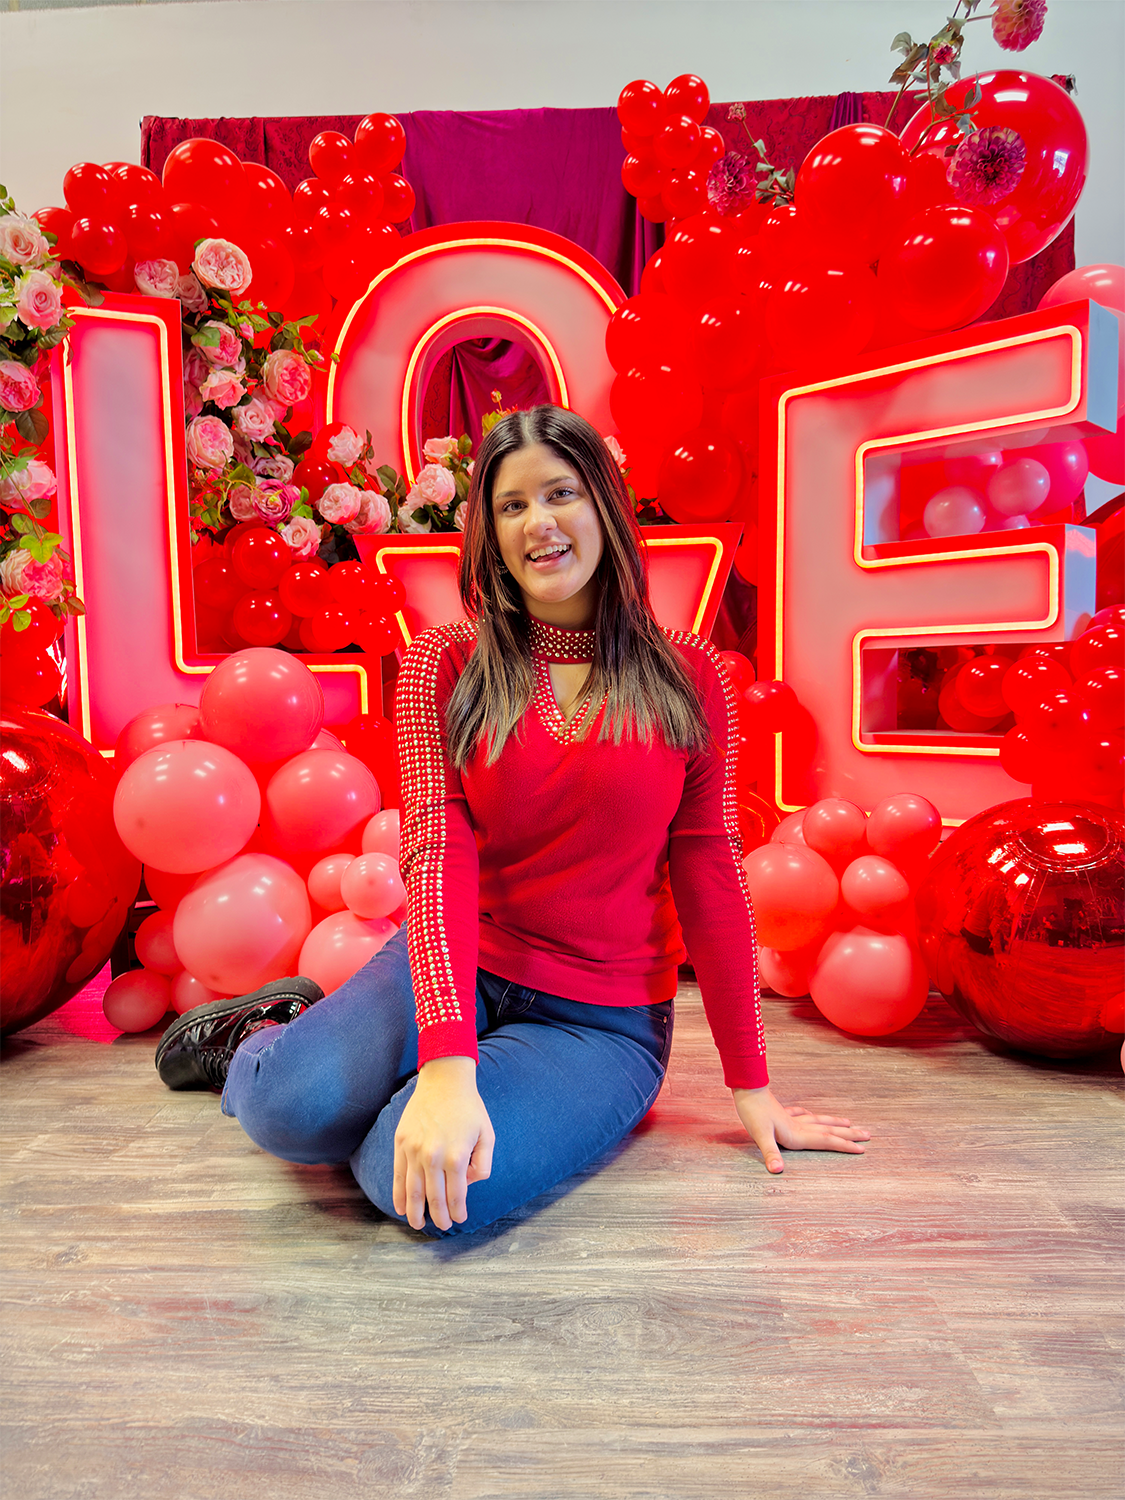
(186, 1318)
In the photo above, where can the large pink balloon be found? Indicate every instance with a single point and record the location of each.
(243, 924)
(1104, 284)
(339, 947)
(791, 829)
(383, 835)
(320, 801)
(794, 891)
(186, 806)
(872, 884)
(188, 992)
(372, 886)
(136, 1000)
(155, 726)
(1020, 487)
(263, 704)
(904, 828)
(154, 945)
(869, 983)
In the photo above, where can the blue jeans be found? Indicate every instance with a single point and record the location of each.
(562, 1082)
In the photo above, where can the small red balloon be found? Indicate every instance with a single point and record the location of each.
(688, 95)
(305, 588)
(98, 246)
(640, 105)
(88, 190)
(259, 557)
(379, 143)
(330, 155)
(398, 199)
(261, 618)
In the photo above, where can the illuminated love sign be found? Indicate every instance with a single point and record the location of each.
(836, 604)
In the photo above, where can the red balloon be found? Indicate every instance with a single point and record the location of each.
(30, 680)
(100, 247)
(1103, 647)
(1067, 465)
(979, 685)
(361, 192)
(350, 587)
(330, 155)
(652, 277)
(640, 105)
(794, 891)
(1102, 693)
(189, 223)
(953, 710)
(773, 705)
(824, 311)
(379, 143)
(398, 199)
(268, 201)
(948, 269)
(699, 477)
(688, 95)
(386, 595)
(331, 223)
(1046, 118)
(869, 983)
(654, 211)
(316, 476)
(305, 589)
(740, 669)
(310, 195)
(261, 619)
(202, 171)
(647, 330)
(371, 739)
(1030, 680)
(217, 586)
(57, 221)
(43, 628)
(643, 455)
(849, 187)
(148, 233)
(1018, 755)
(328, 630)
(685, 192)
(136, 186)
(697, 261)
(656, 402)
(303, 245)
(711, 147)
(726, 342)
(88, 190)
(259, 557)
(375, 634)
(272, 268)
(641, 176)
(676, 141)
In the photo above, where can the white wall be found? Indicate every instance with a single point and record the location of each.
(75, 83)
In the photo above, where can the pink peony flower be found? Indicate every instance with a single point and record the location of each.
(730, 183)
(435, 449)
(277, 466)
(209, 443)
(223, 387)
(987, 165)
(1018, 23)
(39, 301)
(156, 278)
(240, 498)
(435, 485)
(255, 420)
(221, 264)
(20, 573)
(19, 389)
(373, 518)
(345, 448)
(302, 536)
(616, 451)
(274, 501)
(227, 351)
(340, 503)
(286, 378)
(35, 482)
(192, 298)
(22, 241)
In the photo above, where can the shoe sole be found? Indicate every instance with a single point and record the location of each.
(297, 988)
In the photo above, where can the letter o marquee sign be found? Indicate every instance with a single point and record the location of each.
(466, 281)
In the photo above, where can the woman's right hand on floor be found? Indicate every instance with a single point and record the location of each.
(443, 1142)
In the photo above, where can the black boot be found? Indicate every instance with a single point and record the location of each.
(196, 1050)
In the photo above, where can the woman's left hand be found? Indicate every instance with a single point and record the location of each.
(772, 1124)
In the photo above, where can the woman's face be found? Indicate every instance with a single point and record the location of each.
(549, 533)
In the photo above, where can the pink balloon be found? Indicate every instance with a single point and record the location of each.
(186, 805)
(956, 511)
(188, 992)
(1067, 465)
(904, 828)
(155, 726)
(243, 924)
(1019, 488)
(790, 830)
(154, 945)
(834, 828)
(869, 983)
(872, 884)
(320, 801)
(339, 947)
(137, 1000)
(788, 974)
(166, 889)
(794, 891)
(372, 886)
(326, 740)
(383, 835)
(324, 881)
(263, 704)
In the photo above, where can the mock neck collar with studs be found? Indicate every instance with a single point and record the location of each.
(559, 643)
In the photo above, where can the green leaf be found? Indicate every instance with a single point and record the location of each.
(206, 338)
(902, 43)
(973, 97)
(300, 443)
(22, 524)
(33, 425)
(40, 508)
(21, 619)
(965, 124)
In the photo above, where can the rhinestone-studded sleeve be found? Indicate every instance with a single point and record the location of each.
(439, 851)
(709, 883)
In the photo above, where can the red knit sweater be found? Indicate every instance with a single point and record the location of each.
(571, 864)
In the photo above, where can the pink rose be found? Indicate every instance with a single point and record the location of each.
(345, 448)
(21, 574)
(286, 377)
(274, 501)
(19, 389)
(192, 297)
(302, 536)
(459, 517)
(209, 443)
(193, 401)
(196, 368)
(156, 278)
(22, 240)
(240, 498)
(227, 351)
(373, 517)
(221, 264)
(277, 466)
(246, 329)
(222, 387)
(243, 453)
(436, 486)
(340, 503)
(255, 420)
(35, 482)
(38, 300)
(617, 452)
(435, 449)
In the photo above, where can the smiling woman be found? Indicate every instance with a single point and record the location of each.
(568, 813)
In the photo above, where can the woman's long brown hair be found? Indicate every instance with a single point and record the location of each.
(635, 668)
